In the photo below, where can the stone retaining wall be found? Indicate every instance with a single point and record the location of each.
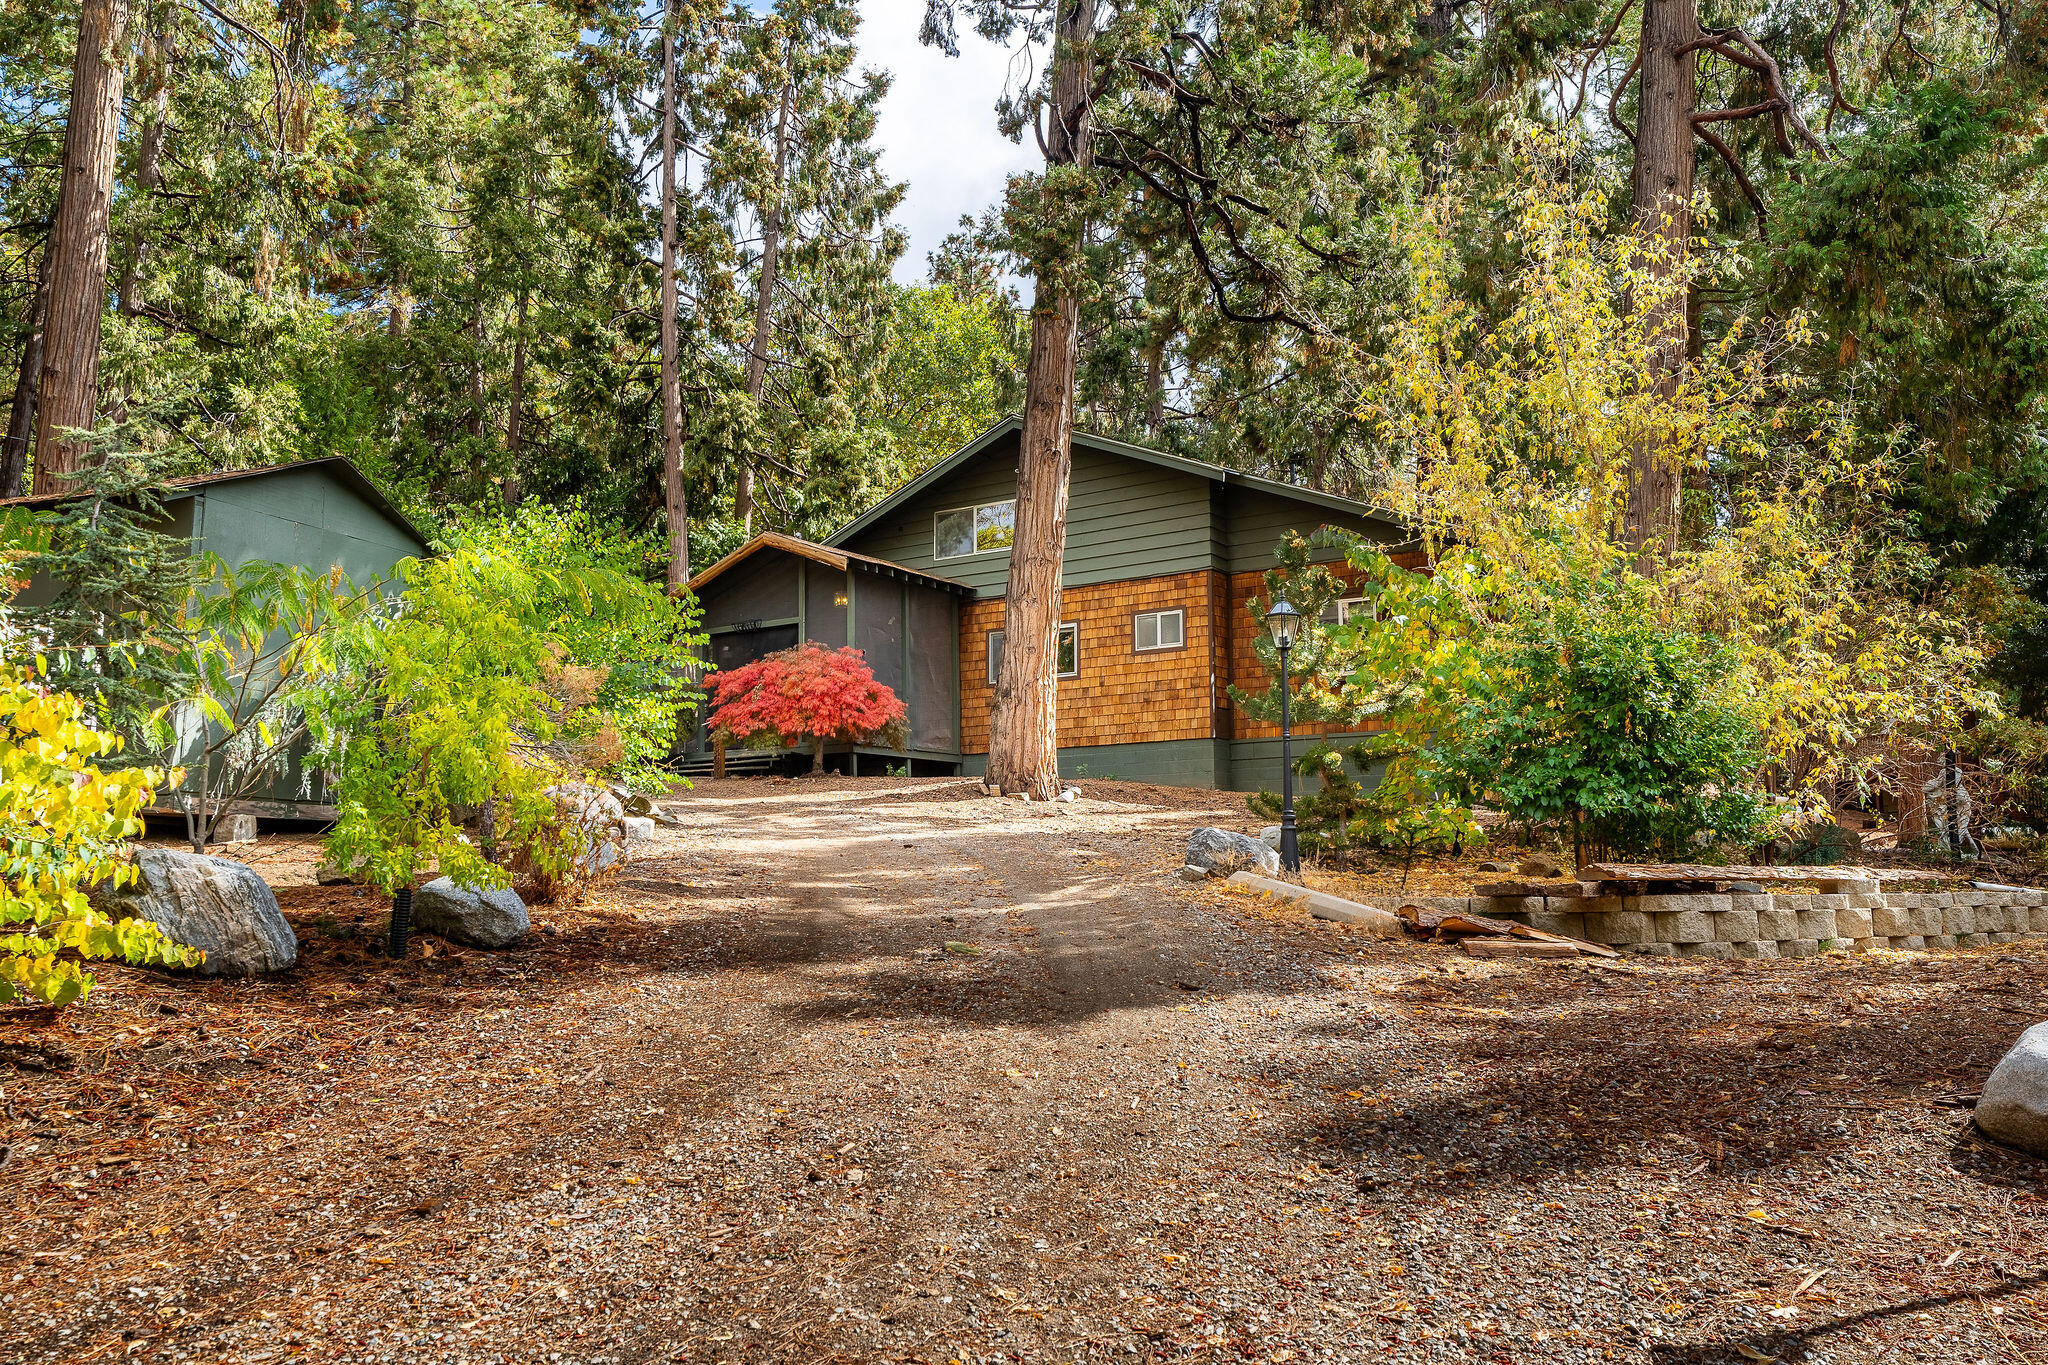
(1843, 914)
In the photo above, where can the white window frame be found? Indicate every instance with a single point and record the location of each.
(995, 653)
(1345, 606)
(974, 512)
(1181, 630)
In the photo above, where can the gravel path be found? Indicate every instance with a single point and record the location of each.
(882, 1070)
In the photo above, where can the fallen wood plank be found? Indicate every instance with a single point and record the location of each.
(1517, 947)
(1701, 872)
(1523, 931)
(1324, 906)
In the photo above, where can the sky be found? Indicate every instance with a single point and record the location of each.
(937, 128)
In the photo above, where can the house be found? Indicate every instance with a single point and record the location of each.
(319, 514)
(1162, 555)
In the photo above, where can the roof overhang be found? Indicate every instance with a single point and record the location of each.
(1215, 473)
(840, 560)
(192, 486)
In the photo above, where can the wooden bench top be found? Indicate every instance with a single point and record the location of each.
(1698, 872)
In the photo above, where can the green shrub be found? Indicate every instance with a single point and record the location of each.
(526, 653)
(1625, 733)
(597, 596)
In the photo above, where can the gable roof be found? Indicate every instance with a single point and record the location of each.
(822, 554)
(191, 485)
(1215, 473)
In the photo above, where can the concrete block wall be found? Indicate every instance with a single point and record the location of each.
(1766, 924)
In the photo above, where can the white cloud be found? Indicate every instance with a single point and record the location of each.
(937, 127)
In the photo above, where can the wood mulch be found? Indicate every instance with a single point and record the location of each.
(885, 1070)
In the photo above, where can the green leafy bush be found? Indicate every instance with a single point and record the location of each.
(525, 654)
(597, 596)
(1624, 733)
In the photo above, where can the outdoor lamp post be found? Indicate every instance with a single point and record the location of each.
(1283, 621)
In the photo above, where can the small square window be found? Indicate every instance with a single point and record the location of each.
(995, 527)
(1069, 658)
(964, 531)
(954, 537)
(1159, 630)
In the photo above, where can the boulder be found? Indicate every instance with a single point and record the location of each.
(331, 874)
(639, 828)
(1220, 852)
(586, 804)
(216, 905)
(1540, 865)
(601, 817)
(1270, 837)
(479, 918)
(2014, 1106)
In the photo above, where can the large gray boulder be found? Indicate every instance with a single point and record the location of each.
(481, 919)
(1220, 852)
(2014, 1106)
(216, 905)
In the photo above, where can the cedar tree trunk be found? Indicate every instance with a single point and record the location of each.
(69, 395)
(515, 424)
(1023, 748)
(21, 418)
(764, 296)
(1661, 185)
(671, 377)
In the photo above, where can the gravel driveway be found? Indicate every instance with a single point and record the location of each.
(888, 1071)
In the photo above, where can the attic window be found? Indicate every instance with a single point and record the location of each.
(981, 530)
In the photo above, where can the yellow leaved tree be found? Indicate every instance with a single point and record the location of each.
(1514, 423)
(63, 826)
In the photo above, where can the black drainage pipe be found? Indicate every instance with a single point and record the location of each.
(401, 920)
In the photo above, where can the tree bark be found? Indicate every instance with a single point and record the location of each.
(149, 152)
(515, 418)
(675, 495)
(1661, 186)
(69, 394)
(1023, 752)
(21, 418)
(764, 296)
(399, 319)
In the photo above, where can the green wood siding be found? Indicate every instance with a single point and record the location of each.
(1254, 522)
(1125, 519)
(302, 517)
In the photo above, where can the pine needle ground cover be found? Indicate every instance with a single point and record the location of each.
(744, 1104)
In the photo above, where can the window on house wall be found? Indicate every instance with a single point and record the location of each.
(1159, 630)
(1343, 609)
(1070, 652)
(980, 530)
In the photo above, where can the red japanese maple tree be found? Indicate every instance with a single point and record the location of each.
(806, 690)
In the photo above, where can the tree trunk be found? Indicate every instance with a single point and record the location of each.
(817, 754)
(21, 418)
(1023, 751)
(149, 153)
(399, 320)
(1661, 185)
(764, 297)
(675, 495)
(515, 423)
(69, 395)
(1155, 390)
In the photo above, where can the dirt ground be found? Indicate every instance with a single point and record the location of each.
(883, 1070)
